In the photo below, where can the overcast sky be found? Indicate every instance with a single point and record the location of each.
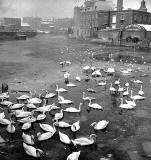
(51, 8)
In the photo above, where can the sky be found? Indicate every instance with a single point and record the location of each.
(51, 8)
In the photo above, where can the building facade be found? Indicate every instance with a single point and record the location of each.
(91, 18)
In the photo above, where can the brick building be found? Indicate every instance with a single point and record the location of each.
(96, 15)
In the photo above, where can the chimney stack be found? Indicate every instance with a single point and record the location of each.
(119, 5)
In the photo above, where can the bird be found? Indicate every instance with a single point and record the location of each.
(2, 115)
(10, 127)
(6, 103)
(75, 126)
(31, 106)
(71, 85)
(110, 70)
(73, 110)
(16, 106)
(4, 121)
(102, 83)
(58, 115)
(64, 138)
(78, 78)
(137, 81)
(44, 136)
(126, 105)
(87, 98)
(23, 97)
(94, 105)
(100, 125)
(96, 73)
(34, 100)
(127, 84)
(91, 90)
(126, 93)
(65, 101)
(41, 116)
(112, 89)
(62, 124)
(28, 139)
(47, 127)
(49, 95)
(84, 141)
(32, 151)
(141, 92)
(120, 89)
(60, 89)
(26, 126)
(74, 156)
(132, 103)
(136, 97)
(117, 82)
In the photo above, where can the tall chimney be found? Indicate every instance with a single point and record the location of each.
(119, 5)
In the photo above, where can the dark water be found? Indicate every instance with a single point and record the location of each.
(127, 130)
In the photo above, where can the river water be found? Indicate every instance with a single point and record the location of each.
(28, 65)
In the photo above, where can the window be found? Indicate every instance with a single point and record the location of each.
(114, 19)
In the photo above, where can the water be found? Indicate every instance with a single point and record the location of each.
(32, 63)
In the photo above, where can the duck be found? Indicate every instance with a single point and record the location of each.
(32, 151)
(84, 141)
(74, 156)
(75, 126)
(141, 92)
(64, 138)
(58, 115)
(62, 124)
(136, 97)
(44, 136)
(100, 125)
(112, 89)
(94, 105)
(28, 139)
(125, 106)
(73, 110)
(48, 128)
(26, 126)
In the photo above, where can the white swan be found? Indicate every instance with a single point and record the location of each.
(34, 100)
(26, 126)
(84, 141)
(6, 103)
(110, 70)
(4, 121)
(23, 114)
(100, 125)
(41, 116)
(71, 85)
(141, 92)
(60, 89)
(87, 98)
(28, 139)
(73, 110)
(10, 128)
(117, 82)
(32, 151)
(2, 115)
(44, 136)
(16, 106)
(95, 105)
(49, 95)
(126, 93)
(75, 126)
(64, 138)
(96, 73)
(23, 97)
(48, 128)
(136, 97)
(125, 106)
(58, 115)
(62, 124)
(102, 83)
(54, 107)
(112, 89)
(132, 103)
(78, 78)
(120, 89)
(31, 106)
(65, 101)
(138, 81)
(74, 156)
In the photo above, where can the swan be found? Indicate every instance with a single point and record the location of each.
(65, 101)
(10, 128)
(6, 103)
(73, 110)
(141, 92)
(74, 155)
(48, 128)
(68, 62)
(41, 116)
(137, 81)
(64, 138)
(4, 96)
(117, 82)
(32, 151)
(60, 89)
(120, 89)
(34, 100)
(126, 93)
(91, 90)
(22, 113)
(28, 139)
(26, 126)
(54, 107)
(4, 121)
(78, 78)
(100, 125)
(16, 106)
(31, 106)
(44, 136)
(71, 85)
(94, 105)
(132, 103)
(62, 124)
(2, 115)
(23, 97)
(110, 70)
(58, 115)
(125, 106)
(28, 119)
(127, 84)
(75, 126)
(87, 98)
(44, 108)
(49, 95)
(112, 89)
(96, 73)
(84, 141)
(103, 83)
(136, 97)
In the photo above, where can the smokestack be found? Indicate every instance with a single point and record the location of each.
(119, 5)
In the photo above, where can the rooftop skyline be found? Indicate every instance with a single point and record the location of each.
(51, 8)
